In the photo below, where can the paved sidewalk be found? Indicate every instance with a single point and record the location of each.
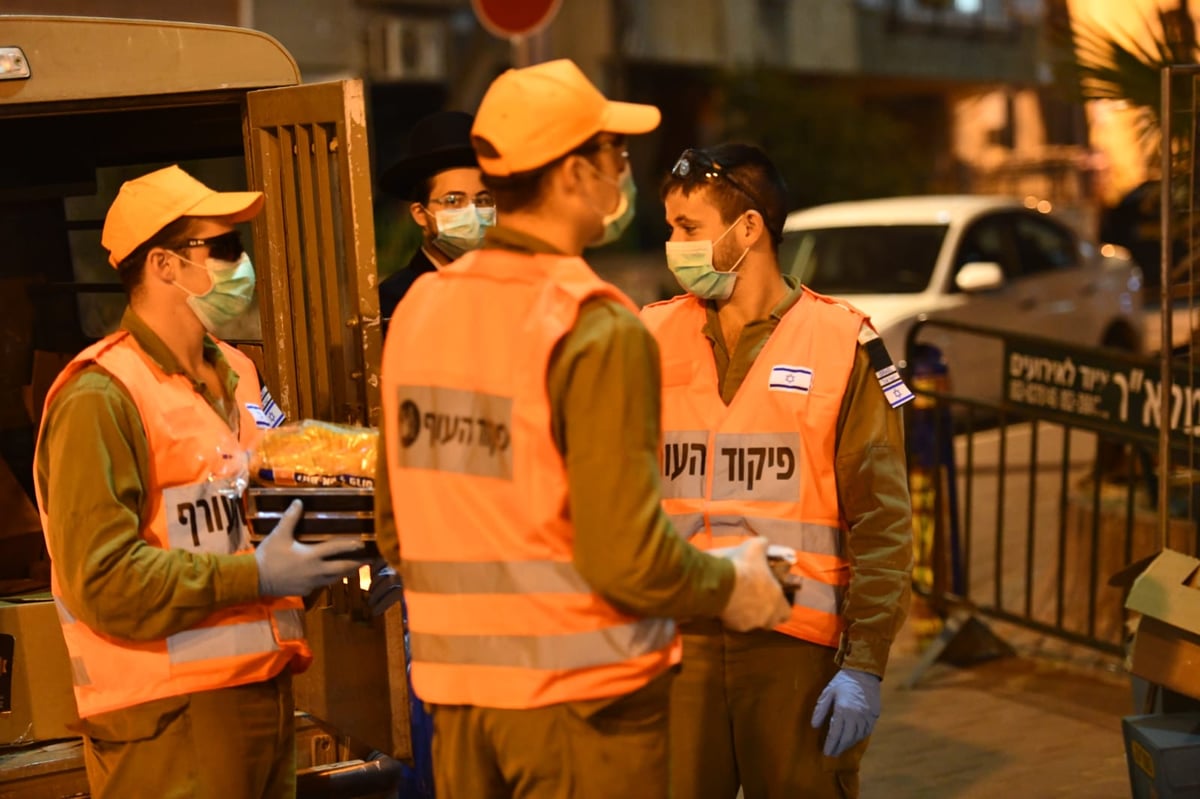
(1046, 723)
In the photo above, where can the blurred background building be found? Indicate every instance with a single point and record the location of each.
(853, 98)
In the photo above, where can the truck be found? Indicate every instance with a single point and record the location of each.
(85, 104)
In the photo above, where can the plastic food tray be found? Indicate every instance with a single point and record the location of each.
(329, 513)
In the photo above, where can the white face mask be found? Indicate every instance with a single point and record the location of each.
(618, 221)
(692, 264)
(460, 230)
(229, 295)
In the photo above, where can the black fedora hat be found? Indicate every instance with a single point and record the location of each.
(436, 143)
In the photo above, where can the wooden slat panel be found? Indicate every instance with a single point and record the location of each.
(332, 284)
(318, 311)
(358, 225)
(294, 248)
(334, 221)
(270, 263)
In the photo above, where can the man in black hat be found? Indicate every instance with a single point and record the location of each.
(449, 202)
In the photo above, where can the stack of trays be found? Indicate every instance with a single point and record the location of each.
(329, 513)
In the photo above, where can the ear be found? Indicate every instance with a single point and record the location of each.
(752, 229)
(419, 214)
(571, 173)
(162, 264)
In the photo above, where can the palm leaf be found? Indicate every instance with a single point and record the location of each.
(1115, 65)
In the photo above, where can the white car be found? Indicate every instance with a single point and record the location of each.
(985, 261)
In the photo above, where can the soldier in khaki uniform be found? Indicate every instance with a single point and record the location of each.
(792, 399)
(521, 426)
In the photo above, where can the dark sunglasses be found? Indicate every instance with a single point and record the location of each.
(225, 247)
(695, 165)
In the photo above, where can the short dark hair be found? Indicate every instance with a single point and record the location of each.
(754, 184)
(133, 268)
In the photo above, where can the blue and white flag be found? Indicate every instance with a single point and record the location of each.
(785, 377)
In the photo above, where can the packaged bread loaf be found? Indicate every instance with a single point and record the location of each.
(312, 453)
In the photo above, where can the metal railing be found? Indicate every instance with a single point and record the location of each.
(1037, 498)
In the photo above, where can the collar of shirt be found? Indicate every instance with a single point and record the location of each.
(504, 238)
(712, 324)
(161, 354)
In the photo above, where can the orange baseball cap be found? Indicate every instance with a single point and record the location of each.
(529, 117)
(147, 204)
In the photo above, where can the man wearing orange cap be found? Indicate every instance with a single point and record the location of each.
(182, 637)
(521, 430)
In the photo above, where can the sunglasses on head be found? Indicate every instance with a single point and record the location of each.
(695, 165)
(225, 247)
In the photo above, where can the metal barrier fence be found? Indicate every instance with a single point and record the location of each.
(1029, 501)
(1179, 249)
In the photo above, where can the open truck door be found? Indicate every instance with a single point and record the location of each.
(105, 100)
(307, 151)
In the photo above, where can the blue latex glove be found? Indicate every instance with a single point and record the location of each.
(854, 697)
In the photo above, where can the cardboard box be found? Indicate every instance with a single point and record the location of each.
(1166, 649)
(1163, 753)
(37, 702)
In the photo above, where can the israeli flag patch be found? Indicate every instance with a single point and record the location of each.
(894, 390)
(268, 415)
(796, 379)
(893, 387)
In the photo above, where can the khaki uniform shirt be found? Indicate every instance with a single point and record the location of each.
(872, 489)
(92, 466)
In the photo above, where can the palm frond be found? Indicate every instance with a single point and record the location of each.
(1118, 65)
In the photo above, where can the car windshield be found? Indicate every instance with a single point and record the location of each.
(868, 259)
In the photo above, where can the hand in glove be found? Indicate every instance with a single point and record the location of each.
(757, 599)
(854, 697)
(287, 567)
(386, 588)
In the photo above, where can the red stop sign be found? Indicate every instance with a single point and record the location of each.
(508, 18)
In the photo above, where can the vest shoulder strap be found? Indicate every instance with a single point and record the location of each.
(827, 303)
(658, 315)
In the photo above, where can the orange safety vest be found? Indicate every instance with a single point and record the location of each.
(498, 615)
(764, 464)
(184, 508)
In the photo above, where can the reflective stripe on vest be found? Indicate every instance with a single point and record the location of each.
(804, 537)
(548, 652)
(495, 577)
(498, 614)
(817, 539)
(571, 651)
(185, 507)
(816, 595)
(764, 464)
(233, 640)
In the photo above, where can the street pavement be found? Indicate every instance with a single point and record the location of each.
(1046, 723)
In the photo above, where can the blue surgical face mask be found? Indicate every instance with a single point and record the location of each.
(692, 264)
(228, 297)
(460, 230)
(617, 222)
